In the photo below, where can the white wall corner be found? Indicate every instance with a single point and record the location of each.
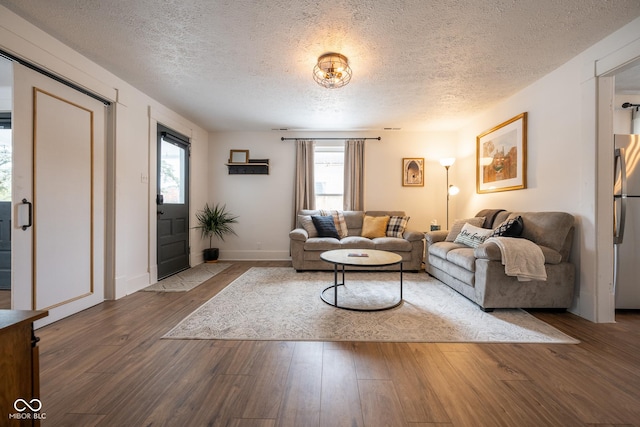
(120, 287)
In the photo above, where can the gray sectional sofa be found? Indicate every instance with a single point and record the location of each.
(478, 273)
(305, 250)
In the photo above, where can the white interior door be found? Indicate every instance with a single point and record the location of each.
(59, 168)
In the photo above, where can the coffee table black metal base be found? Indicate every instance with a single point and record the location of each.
(339, 263)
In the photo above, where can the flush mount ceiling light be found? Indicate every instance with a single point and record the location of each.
(332, 71)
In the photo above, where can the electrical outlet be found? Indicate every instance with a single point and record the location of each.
(144, 178)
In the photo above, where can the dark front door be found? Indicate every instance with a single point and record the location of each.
(172, 202)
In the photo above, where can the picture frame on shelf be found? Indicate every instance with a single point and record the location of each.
(501, 157)
(239, 156)
(413, 172)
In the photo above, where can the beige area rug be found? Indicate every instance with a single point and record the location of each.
(277, 303)
(188, 279)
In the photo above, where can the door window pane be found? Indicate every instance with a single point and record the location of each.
(5, 165)
(172, 173)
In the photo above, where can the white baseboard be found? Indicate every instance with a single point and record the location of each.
(254, 255)
(134, 284)
(120, 287)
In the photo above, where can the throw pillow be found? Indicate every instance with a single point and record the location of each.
(476, 221)
(307, 223)
(473, 236)
(325, 226)
(510, 228)
(374, 226)
(338, 220)
(396, 226)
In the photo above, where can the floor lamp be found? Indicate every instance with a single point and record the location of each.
(452, 190)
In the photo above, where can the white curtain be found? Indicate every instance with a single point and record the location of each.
(354, 175)
(635, 120)
(305, 197)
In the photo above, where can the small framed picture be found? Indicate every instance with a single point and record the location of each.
(413, 172)
(501, 157)
(239, 156)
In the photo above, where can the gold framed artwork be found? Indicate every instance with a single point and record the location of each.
(501, 157)
(413, 172)
(239, 156)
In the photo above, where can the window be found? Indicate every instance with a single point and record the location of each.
(172, 172)
(329, 176)
(5, 157)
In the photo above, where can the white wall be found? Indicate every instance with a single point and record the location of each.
(264, 203)
(133, 148)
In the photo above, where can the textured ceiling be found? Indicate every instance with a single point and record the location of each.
(246, 65)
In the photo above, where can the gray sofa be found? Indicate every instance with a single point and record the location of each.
(478, 273)
(305, 250)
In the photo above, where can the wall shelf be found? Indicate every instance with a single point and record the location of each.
(252, 167)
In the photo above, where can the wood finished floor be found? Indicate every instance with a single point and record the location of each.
(107, 366)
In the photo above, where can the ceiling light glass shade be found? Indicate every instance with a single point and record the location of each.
(332, 71)
(447, 162)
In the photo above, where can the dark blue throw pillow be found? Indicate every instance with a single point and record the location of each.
(325, 226)
(509, 228)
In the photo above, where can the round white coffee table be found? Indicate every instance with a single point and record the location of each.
(358, 258)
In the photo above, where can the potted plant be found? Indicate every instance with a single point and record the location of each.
(214, 221)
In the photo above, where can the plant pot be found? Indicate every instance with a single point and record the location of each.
(211, 254)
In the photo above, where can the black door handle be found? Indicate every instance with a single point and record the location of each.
(160, 212)
(25, 202)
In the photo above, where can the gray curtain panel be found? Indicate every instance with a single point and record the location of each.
(305, 197)
(354, 175)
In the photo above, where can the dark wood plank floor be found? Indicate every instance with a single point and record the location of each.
(107, 366)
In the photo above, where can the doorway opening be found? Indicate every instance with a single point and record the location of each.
(6, 170)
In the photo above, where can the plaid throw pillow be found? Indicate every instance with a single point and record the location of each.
(396, 226)
(510, 228)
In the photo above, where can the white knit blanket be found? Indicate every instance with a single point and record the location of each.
(521, 258)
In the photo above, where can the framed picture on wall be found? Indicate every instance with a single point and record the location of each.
(239, 156)
(501, 156)
(413, 172)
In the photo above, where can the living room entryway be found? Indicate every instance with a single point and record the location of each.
(172, 202)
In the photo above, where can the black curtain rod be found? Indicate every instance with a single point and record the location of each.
(44, 72)
(324, 139)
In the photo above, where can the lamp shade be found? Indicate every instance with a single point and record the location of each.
(453, 190)
(448, 161)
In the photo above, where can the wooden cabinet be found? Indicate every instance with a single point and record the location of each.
(19, 365)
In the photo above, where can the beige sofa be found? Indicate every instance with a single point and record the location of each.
(305, 250)
(478, 273)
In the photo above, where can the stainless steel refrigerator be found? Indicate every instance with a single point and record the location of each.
(627, 221)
